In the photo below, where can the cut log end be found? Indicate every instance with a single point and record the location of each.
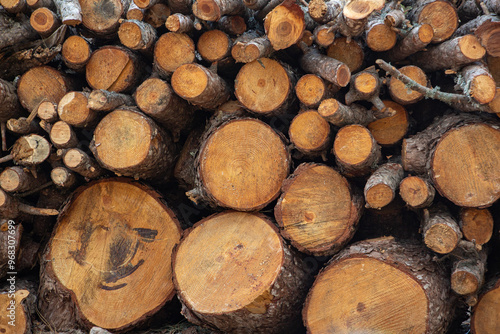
(425, 33)
(173, 50)
(476, 224)
(214, 45)
(484, 318)
(350, 53)
(44, 21)
(443, 18)
(309, 132)
(416, 192)
(366, 83)
(381, 37)
(441, 238)
(30, 150)
(207, 10)
(389, 131)
(225, 170)
(471, 48)
(73, 109)
(76, 52)
(400, 92)
(310, 89)
(483, 89)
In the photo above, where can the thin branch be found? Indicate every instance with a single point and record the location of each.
(457, 101)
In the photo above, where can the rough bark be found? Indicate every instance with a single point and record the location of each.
(103, 100)
(341, 115)
(9, 103)
(476, 81)
(381, 186)
(414, 41)
(440, 231)
(213, 10)
(79, 162)
(326, 67)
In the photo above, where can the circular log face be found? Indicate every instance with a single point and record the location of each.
(243, 164)
(112, 248)
(227, 261)
(353, 144)
(262, 85)
(443, 18)
(390, 130)
(101, 16)
(309, 131)
(465, 165)
(315, 208)
(351, 297)
(485, 318)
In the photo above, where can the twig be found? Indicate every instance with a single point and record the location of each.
(6, 158)
(4, 136)
(457, 101)
(34, 191)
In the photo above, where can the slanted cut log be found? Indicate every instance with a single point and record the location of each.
(356, 151)
(318, 210)
(265, 87)
(398, 90)
(351, 53)
(200, 86)
(42, 83)
(73, 109)
(80, 162)
(310, 134)
(476, 225)
(76, 52)
(103, 236)
(484, 315)
(213, 10)
(326, 67)
(441, 15)
(256, 283)
(349, 296)
(311, 90)
(415, 40)
(18, 179)
(440, 230)
(137, 35)
(381, 186)
(478, 83)
(284, 25)
(113, 68)
(129, 143)
(156, 99)
(452, 53)
(417, 192)
(171, 51)
(389, 131)
(241, 165)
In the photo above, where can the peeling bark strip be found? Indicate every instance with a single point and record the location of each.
(257, 283)
(70, 11)
(381, 187)
(349, 296)
(318, 210)
(116, 250)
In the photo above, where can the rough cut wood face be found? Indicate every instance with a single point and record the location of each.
(112, 249)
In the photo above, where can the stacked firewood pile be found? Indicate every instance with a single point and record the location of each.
(328, 166)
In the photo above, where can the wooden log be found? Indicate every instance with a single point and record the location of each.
(284, 25)
(47, 111)
(14, 6)
(213, 10)
(134, 12)
(389, 131)
(30, 150)
(62, 135)
(381, 186)
(467, 274)
(310, 134)
(214, 45)
(80, 162)
(111, 259)
(323, 35)
(440, 231)
(113, 68)
(15, 31)
(102, 22)
(265, 87)
(234, 160)
(76, 52)
(398, 90)
(179, 23)
(476, 225)
(356, 157)
(232, 24)
(70, 11)
(341, 115)
(200, 86)
(18, 179)
(311, 90)
(156, 99)
(324, 11)
(477, 83)
(157, 15)
(415, 40)
(18, 300)
(137, 35)
(63, 177)
(439, 14)
(35, 4)
(73, 109)
(417, 192)
(379, 35)
(326, 67)
(318, 210)
(246, 52)
(145, 4)
(264, 297)
(352, 21)
(130, 144)
(349, 296)
(450, 54)
(42, 83)
(11, 207)
(484, 319)
(171, 51)
(487, 29)
(103, 100)
(44, 21)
